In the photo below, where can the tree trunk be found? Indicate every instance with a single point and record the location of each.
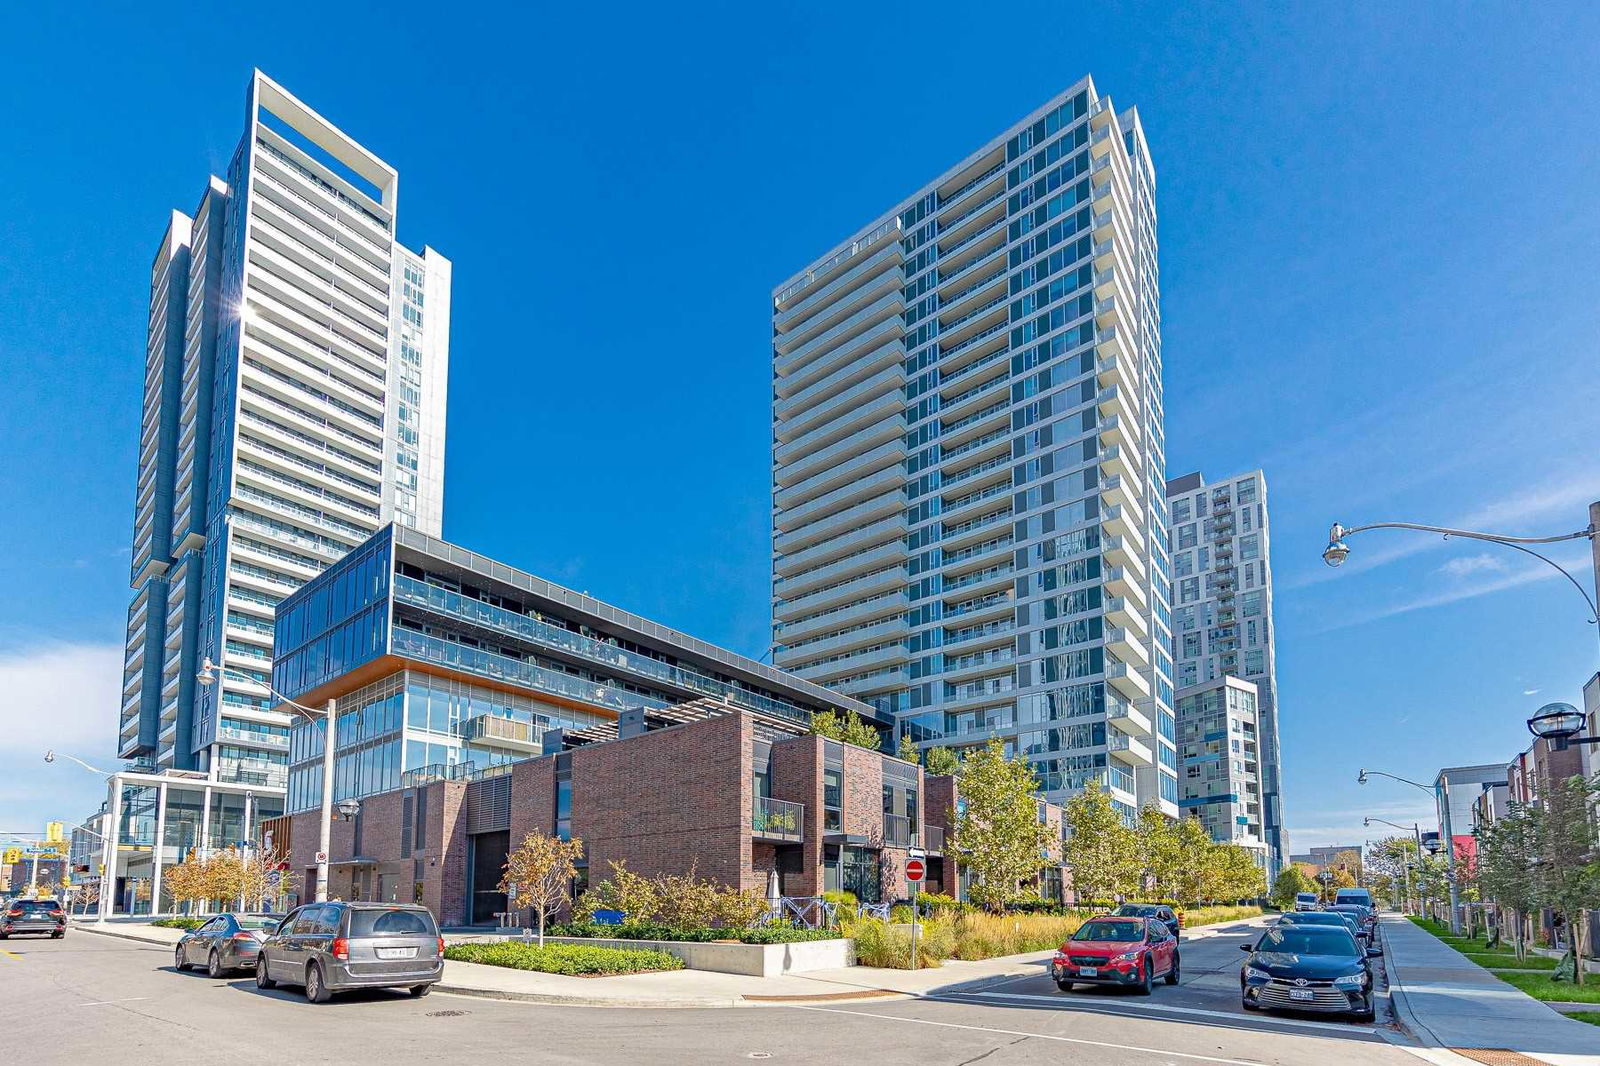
(541, 926)
(1579, 935)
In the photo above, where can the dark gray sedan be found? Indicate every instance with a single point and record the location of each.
(225, 942)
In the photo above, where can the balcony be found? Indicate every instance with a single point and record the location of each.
(1126, 717)
(1129, 750)
(1115, 432)
(775, 819)
(843, 335)
(859, 277)
(1125, 646)
(1127, 680)
(898, 832)
(1121, 613)
(933, 839)
(503, 734)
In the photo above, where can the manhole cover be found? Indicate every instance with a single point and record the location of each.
(448, 1013)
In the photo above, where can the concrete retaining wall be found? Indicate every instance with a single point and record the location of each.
(755, 960)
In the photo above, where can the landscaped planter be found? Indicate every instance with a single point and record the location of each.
(756, 960)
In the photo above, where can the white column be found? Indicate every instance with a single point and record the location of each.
(325, 834)
(155, 852)
(108, 846)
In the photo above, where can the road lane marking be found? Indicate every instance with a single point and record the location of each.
(109, 1002)
(1229, 1015)
(10, 954)
(1037, 1036)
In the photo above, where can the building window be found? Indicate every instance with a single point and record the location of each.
(832, 800)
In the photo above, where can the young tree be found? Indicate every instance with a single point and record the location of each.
(846, 728)
(1237, 874)
(1290, 882)
(1568, 868)
(907, 749)
(1101, 850)
(1160, 857)
(1386, 867)
(539, 873)
(998, 829)
(187, 881)
(1196, 879)
(1507, 848)
(942, 761)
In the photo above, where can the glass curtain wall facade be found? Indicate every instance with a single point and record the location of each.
(1222, 611)
(969, 522)
(1219, 744)
(294, 398)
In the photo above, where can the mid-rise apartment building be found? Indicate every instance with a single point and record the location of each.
(1219, 748)
(1222, 613)
(294, 402)
(969, 511)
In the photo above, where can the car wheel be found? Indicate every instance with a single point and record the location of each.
(57, 936)
(263, 982)
(1367, 1015)
(214, 965)
(316, 987)
(418, 991)
(1065, 986)
(1146, 977)
(178, 962)
(1172, 974)
(1248, 1005)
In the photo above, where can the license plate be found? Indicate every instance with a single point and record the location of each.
(1301, 993)
(1087, 971)
(397, 953)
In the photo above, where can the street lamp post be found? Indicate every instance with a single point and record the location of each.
(208, 674)
(1441, 795)
(108, 840)
(1405, 867)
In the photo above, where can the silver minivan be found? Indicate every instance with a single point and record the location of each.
(334, 947)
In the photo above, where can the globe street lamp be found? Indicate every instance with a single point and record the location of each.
(1441, 795)
(1559, 724)
(209, 672)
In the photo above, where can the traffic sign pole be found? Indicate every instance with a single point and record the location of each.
(916, 869)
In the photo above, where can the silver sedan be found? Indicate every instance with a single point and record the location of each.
(225, 942)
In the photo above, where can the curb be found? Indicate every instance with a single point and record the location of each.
(579, 1001)
(123, 936)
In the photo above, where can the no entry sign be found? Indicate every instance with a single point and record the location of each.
(915, 868)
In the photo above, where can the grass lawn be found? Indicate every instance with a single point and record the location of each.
(1532, 962)
(1539, 986)
(1478, 947)
(1590, 1016)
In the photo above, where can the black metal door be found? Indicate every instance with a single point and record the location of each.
(861, 875)
(488, 866)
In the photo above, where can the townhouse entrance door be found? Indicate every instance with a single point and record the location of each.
(860, 874)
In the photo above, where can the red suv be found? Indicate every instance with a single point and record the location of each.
(1111, 950)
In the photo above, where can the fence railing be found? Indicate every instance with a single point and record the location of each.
(778, 819)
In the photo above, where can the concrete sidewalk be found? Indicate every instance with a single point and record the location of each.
(1448, 1002)
(698, 988)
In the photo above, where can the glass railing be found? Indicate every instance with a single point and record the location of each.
(898, 831)
(974, 444)
(836, 258)
(977, 549)
(956, 297)
(778, 819)
(977, 577)
(410, 590)
(979, 416)
(933, 839)
(974, 497)
(976, 312)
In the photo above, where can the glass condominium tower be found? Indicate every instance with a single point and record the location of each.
(1222, 608)
(294, 402)
(969, 515)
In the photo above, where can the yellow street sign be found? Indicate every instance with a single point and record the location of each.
(11, 856)
(53, 832)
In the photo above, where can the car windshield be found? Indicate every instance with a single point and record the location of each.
(259, 921)
(1141, 910)
(1127, 932)
(1313, 918)
(1304, 941)
(37, 904)
(391, 923)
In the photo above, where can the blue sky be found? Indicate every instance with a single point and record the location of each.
(1379, 243)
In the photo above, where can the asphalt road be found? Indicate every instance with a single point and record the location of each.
(93, 999)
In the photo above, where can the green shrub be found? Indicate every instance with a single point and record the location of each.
(190, 924)
(1197, 916)
(771, 934)
(881, 944)
(845, 901)
(938, 901)
(677, 901)
(575, 960)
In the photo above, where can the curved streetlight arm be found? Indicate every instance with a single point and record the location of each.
(1395, 825)
(52, 755)
(1431, 790)
(1338, 533)
(209, 666)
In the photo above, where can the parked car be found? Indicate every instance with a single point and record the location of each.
(226, 942)
(1308, 967)
(1307, 901)
(1159, 911)
(1330, 918)
(43, 916)
(333, 947)
(1359, 896)
(1364, 916)
(1114, 950)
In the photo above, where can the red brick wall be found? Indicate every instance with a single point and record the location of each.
(533, 798)
(668, 801)
(863, 793)
(796, 775)
(444, 859)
